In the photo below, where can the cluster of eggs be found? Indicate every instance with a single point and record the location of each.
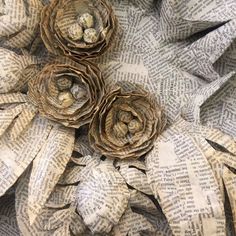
(84, 29)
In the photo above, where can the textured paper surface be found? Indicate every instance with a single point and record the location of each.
(185, 55)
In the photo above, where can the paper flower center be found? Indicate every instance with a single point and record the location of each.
(127, 124)
(84, 29)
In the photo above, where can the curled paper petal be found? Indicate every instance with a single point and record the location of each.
(126, 125)
(78, 28)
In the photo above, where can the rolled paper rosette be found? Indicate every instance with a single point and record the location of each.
(68, 93)
(126, 125)
(19, 22)
(78, 28)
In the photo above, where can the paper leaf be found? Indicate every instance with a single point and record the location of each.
(16, 155)
(54, 218)
(48, 166)
(23, 121)
(71, 175)
(177, 170)
(22, 210)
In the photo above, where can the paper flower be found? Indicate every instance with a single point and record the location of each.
(78, 28)
(126, 124)
(68, 93)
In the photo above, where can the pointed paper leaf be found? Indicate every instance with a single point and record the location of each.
(22, 210)
(48, 166)
(15, 156)
(177, 170)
